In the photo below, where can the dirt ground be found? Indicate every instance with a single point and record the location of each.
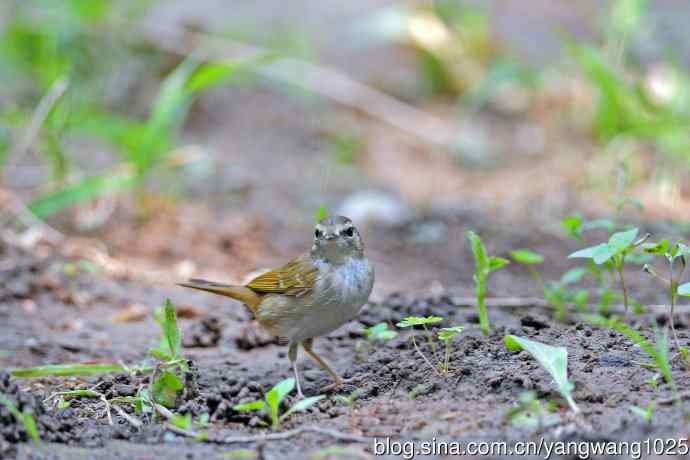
(51, 315)
(269, 166)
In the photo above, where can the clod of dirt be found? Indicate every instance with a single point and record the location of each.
(204, 334)
(536, 323)
(12, 431)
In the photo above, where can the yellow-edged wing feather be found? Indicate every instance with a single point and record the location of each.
(296, 278)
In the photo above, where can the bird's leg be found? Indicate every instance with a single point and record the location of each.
(292, 355)
(338, 381)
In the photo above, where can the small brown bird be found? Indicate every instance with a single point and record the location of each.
(310, 296)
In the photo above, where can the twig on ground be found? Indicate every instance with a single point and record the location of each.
(131, 419)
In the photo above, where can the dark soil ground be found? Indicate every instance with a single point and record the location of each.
(52, 315)
(271, 167)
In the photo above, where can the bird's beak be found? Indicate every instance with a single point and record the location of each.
(332, 239)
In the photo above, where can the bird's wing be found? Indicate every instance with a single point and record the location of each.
(296, 278)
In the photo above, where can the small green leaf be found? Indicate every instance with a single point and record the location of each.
(411, 321)
(209, 75)
(182, 421)
(684, 289)
(602, 254)
(573, 226)
(586, 253)
(321, 213)
(527, 257)
(620, 241)
(166, 387)
(479, 251)
(658, 249)
(497, 262)
(160, 354)
(380, 331)
(250, 406)
(277, 394)
(574, 275)
(448, 333)
(599, 253)
(171, 330)
(553, 359)
(302, 405)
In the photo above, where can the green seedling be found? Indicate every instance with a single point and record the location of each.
(645, 413)
(672, 254)
(379, 333)
(657, 351)
(444, 335)
(350, 399)
(484, 265)
(168, 383)
(553, 359)
(531, 413)
(376, 334)
(613, 253)
(270, 405)
(23, 417)
(560, 295)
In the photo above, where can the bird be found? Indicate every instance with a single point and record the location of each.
(310, 296)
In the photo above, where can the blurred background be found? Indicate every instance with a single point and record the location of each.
(170, 139)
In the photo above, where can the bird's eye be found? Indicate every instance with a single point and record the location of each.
(349, 232)
(318, 233)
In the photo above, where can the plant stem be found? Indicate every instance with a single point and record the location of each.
(537, 278)
(446, 360)
(621, 275)
(426, 360)
(483, 316)
(430, 339)
(673, 284)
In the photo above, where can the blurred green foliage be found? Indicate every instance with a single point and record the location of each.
(648, 104)
(79, 43)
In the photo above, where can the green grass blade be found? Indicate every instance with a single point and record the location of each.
(84, 190)
(302, 405)
(64, 370)
(24, 418)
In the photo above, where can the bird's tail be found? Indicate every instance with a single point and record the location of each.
(241, 293)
